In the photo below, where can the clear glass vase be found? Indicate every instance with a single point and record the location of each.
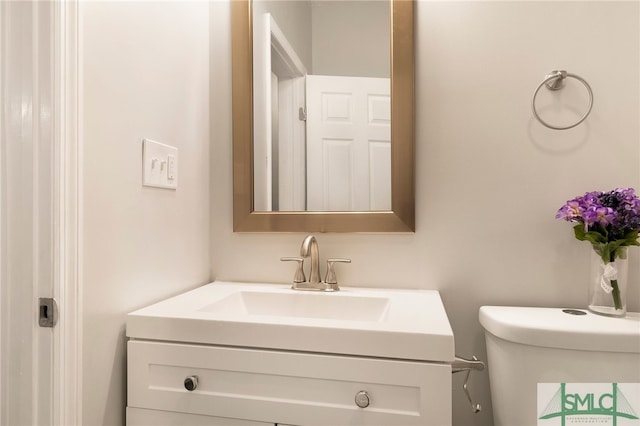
(608, 286)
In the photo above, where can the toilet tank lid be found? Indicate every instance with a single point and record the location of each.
(551, 327)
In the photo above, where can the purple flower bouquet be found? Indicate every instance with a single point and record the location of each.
(610, 221)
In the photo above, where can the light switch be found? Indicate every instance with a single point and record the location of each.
(171, 167)
(159, 165)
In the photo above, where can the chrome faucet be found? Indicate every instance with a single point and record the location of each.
(309, 248)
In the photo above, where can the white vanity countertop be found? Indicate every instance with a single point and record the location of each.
(386, 323)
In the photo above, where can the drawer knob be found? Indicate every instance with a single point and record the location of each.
(191, 383)
(362, 399)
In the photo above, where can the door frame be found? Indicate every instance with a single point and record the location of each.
(67, 288)
(273, 54)
(65, 215)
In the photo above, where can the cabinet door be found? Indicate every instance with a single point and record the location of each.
(287, 387)
(143, 417)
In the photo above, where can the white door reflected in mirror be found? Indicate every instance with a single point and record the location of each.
(348, 143)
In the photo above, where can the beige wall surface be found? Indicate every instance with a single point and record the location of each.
(489, 177)
(145, 75)
(351, 38)
(294, 19)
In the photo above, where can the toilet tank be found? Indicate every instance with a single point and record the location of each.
(527, 346)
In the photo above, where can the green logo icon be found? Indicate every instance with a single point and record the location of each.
(565, 404)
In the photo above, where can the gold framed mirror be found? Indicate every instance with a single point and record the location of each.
(401, 217)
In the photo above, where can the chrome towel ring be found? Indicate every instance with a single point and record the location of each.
(555, 81)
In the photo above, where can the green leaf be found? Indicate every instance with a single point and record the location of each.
(602, 250)
(601, 230)
(578, 230)
(621, 253)
(592, 236)
(631, 238)
(615, 244)
(617, 250)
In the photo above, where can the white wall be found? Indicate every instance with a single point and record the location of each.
(489, 177)
(145, 69)
(350, 38)
(294, 19)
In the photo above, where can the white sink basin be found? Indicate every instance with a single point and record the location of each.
(401, 324)
(301, 305)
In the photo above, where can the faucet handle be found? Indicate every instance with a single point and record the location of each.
(330, 277)
(299, 276)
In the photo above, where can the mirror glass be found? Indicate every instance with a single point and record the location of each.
(342, 70)
(322, 110)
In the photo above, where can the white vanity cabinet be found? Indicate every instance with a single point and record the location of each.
(235, 354)
(280, 387)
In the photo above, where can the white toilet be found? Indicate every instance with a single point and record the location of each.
(527, 346)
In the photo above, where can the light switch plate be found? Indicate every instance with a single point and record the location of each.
(159, 165)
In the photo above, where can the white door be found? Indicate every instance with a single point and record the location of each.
(348, 143)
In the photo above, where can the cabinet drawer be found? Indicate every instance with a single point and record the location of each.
(286, 387)
(144, 417)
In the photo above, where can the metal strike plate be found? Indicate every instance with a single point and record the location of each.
(47, 312)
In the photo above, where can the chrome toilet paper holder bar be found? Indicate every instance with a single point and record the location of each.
(462, 364)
